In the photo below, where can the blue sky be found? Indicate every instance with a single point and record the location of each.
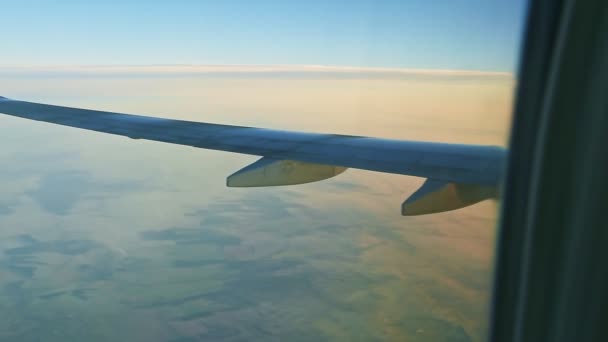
(433, 34)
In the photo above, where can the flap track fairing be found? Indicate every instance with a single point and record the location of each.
(273, 172)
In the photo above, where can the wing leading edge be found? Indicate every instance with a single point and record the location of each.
(290, 157)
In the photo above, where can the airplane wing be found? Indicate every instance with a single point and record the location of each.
(457, 175)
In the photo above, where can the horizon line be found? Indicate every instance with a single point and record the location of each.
(242, 70)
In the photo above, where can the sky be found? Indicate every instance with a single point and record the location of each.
(442, 34)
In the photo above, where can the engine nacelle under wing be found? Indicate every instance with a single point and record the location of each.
(438, 196)
(271, 172)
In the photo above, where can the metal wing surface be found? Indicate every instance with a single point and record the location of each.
(288, 157)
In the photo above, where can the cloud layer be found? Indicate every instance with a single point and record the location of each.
(249, 71)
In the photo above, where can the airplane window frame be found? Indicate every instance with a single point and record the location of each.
(548, 284)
